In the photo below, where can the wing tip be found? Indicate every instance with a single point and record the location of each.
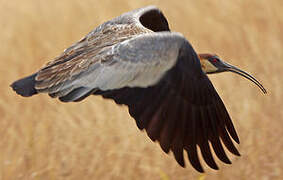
(236, 139)
(25, 86)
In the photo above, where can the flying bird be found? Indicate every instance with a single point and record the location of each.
(135, 60)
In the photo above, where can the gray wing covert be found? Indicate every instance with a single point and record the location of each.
(138, 62)
(141, 61)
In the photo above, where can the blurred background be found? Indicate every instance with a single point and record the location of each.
(42, 138)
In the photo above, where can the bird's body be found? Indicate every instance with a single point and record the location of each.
(137, 61)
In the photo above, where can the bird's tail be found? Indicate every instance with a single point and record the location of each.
(25, 86)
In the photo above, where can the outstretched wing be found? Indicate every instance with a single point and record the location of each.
(181, 111)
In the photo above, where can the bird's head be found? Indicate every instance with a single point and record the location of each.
(211, 63)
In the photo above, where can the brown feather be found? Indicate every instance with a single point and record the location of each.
(80, 56)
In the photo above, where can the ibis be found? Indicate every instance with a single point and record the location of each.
(135, 60)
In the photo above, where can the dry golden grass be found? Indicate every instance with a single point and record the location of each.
(42, 138)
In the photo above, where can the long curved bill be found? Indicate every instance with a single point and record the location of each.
(244, 74)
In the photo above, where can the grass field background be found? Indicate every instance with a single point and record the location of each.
(42, 138)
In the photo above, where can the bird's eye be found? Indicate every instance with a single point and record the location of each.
(214, 60)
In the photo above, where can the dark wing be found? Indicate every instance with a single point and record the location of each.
(181, 111)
